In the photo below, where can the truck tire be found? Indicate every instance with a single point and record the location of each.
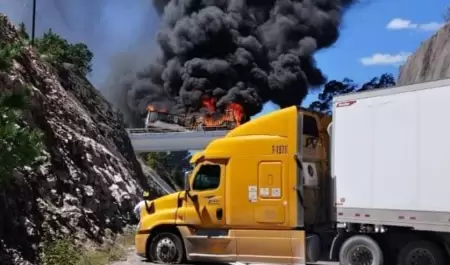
(421, 252)
(166, 248)
(360, 250)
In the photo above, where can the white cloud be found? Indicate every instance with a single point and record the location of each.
(399, 24)
(432, 26)
(385, 59)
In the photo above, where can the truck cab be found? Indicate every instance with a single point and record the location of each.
(251, 197)
(274, 190)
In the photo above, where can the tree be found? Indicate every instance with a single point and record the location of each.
(170, 165)
(331, 89)
(23, 31)
(334, 88)
(20, 144)
(60, 51)
(447, 14)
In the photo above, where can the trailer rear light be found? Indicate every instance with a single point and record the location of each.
(345, 103)
(358, 215)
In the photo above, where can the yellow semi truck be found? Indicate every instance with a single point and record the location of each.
(276, 190)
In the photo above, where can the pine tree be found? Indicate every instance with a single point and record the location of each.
(23, 31)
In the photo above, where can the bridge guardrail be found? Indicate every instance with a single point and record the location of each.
(148, 131)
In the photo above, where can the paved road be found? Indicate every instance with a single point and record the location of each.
(133, 259)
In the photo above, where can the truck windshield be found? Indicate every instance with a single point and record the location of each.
(207, 178)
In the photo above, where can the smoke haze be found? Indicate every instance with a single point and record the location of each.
(247, 52)
(108, 27)
(235, 51)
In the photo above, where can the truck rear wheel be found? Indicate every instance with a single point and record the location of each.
(360, 250)
(421, 253)
(166, 248)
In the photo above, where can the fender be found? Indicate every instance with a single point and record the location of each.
(338, 240)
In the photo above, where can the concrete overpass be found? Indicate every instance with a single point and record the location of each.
(145, 141)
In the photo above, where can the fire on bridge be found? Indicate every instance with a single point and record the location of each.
(213, 119)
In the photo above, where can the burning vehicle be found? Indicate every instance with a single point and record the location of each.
(219, 61)
(231, 117)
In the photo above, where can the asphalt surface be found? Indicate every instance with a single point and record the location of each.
(133, 259)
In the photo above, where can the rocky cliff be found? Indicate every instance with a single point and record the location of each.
(430, 62)
(88, 180)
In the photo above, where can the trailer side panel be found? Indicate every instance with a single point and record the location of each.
(391, 153)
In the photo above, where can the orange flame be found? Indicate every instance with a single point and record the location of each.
(209, 103)
(232, 117)
(237, 111)
(152, 108)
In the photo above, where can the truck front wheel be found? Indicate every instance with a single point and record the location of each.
(166, 248)
(360, 250)
(421, 252)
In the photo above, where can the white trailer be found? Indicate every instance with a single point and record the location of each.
(390, 168)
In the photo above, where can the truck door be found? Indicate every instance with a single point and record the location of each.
(205, 202)
(205, 211)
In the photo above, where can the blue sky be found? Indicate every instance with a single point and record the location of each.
(376, 35)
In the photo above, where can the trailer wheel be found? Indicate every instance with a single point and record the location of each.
(166, 248)
(421, 253)
(360, 250)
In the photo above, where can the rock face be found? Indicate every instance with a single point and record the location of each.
(430, 62)
(89, 180)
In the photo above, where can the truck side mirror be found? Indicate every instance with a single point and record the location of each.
(187, 186)
(146, 196)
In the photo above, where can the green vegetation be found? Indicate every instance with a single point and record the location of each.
(20, 144)
(58, 50)
(8, 52)
(61, 252)
(169, 165)
(64, 251)
(23, 32)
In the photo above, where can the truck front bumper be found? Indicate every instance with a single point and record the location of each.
(141, 244)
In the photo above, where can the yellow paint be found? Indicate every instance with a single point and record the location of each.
(256, 195)
(195, 157)
(141, 243)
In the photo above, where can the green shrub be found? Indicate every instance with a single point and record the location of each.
(20, 144)
(59, 50)
(65, 252)
(7, 53)
(61, 252)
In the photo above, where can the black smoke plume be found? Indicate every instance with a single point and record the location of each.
(247, 52)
